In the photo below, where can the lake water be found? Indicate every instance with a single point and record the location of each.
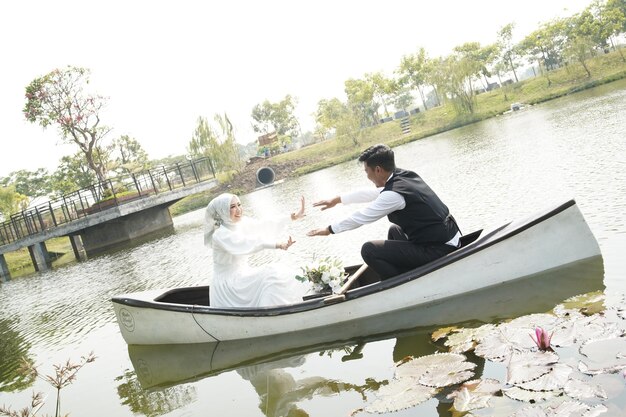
(487, 173)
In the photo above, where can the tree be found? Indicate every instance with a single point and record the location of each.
(384, 88)
(459, 70)
(361, 101)
(277, 117)
(611, 20)
(60, 98)
(413, 72)
(229, 147)
(222, 151)
(130, 157)
(29, 183)
(72, 174)
(334, 115)
(507, 50)
(11, 201)
(583, 36)
(619, 7)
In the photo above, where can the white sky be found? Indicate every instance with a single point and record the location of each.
(165, 63)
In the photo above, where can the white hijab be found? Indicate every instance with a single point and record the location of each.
(217, 213)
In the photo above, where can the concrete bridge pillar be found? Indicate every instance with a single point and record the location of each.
(40, 256)
(5, 275)
(78, 248)
(123, 230)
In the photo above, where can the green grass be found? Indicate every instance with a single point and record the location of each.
(20, 263)
(604, 69)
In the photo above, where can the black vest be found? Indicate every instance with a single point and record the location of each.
(425, 219)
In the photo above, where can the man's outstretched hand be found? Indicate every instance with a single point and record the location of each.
(326, 204)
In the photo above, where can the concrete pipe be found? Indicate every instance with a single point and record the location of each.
(264, 176)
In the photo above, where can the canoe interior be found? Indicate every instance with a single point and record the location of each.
(190, 295)
(200, 295)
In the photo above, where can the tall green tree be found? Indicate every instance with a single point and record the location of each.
(229, 147)
(71, 174)
(618, 6)
(361, 102)
(333, 115)
(460, 70)
(219, 146)
(126, 155)
(11, 202)
(29, 183)
(413, 72)
(278, 117)
(611, 20)
(507, 51)
(60, 98)
(384, 88)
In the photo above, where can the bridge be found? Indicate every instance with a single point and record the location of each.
(104, 215)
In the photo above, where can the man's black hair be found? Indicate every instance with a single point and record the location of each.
(379, 155)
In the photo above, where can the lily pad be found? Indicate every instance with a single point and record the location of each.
(575, 388)
(527, 366)
(500, 344)
(564, 409)
(464, 340)
(400, 394)
(441, 333)
(417, 367)
(553, 380)
(604, 356)
(588, 304)
(448, 374)
(520, 394)
(530, 321)
(473, 395)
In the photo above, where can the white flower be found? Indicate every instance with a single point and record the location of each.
(326, 277)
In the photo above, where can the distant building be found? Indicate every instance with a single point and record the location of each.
(267, 139)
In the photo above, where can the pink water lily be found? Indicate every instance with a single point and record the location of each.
(542, 339)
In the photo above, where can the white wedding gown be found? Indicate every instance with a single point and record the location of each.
(235, 282)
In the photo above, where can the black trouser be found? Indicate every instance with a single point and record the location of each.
(397, 255)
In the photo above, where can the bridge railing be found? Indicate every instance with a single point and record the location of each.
(102, 196)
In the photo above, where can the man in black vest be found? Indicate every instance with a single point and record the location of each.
(422, 230)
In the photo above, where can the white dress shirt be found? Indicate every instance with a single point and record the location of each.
(382, 203)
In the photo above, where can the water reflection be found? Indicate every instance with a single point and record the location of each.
(265, 360)
(152, 403)
(13, 348)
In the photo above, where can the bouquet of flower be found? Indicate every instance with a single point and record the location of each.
(327, 274)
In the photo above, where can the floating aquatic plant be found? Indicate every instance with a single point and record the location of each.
(476, 394)
(603, 356)
(535, 373)
(562, 409)
(417, 380)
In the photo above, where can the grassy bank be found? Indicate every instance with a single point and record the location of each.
(20, 264)
(564, 81)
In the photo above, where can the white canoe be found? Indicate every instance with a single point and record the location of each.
(546, 240)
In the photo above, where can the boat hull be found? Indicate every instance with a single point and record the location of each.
(544, 241)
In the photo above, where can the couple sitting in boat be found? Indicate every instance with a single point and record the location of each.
(422, 230)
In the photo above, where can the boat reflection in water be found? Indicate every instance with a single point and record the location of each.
(167, 365)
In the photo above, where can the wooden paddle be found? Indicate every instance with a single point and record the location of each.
(340, 295)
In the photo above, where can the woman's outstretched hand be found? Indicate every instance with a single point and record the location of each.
(326, 204)
(300, 213)
(285, 245)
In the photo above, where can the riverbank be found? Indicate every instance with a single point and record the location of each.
(605, 69)
(564, 81)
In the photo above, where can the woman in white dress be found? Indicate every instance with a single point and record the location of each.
(233, 238)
